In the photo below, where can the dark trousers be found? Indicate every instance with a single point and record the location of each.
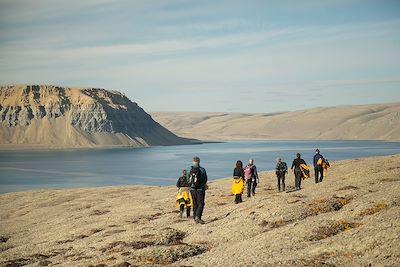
(238, 198)
(198, 202)
(319, 174)
(281, 179)
(298, 176)
(251, 187)
(182, 208)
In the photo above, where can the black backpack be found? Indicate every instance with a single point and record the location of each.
(194, 177)
(284, 167)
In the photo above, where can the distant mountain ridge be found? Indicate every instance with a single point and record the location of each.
(364, 122)
(56, 117)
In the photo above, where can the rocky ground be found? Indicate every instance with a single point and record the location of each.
(351, 219)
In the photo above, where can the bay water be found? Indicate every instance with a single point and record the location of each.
(161, 166)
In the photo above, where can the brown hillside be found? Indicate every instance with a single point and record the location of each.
(368, 122)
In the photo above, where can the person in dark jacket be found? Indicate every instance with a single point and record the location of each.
(318, 169)
(251, 177)
(197, 177)
(297, 171)
(183, 194)
(238, 181)
(280, 171)
(182, 181)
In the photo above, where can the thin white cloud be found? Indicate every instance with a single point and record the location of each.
(149, 48)
(341, 83)
(220, 25)
(20, 11)
(284, 37)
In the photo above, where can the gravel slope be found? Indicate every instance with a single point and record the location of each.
(351, 219)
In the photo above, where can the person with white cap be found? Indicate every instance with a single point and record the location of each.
(251, 177)
(318, 161)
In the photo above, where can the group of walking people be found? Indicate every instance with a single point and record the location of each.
(301, 170)
(192, 185)
(242, 176)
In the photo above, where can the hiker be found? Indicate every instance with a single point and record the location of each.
(183, 199)
(251, 177)
(298, 174)
(318, 169)
(197, 177)
(280, 171)
(238, 182)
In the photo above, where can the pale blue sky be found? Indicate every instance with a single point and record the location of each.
(229, 56)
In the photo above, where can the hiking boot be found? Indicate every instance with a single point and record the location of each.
(200, 221)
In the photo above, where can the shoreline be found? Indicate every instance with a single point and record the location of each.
(142, 186)
(17, 148)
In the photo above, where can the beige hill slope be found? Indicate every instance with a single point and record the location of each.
(350, 219)
(57, 117)
(368, 122)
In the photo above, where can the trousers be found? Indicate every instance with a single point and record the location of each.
(319, 174)
(198, 202)
(298, 175)
(281, 180)
(251, 187)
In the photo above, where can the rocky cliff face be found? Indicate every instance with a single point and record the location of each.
(70, 117)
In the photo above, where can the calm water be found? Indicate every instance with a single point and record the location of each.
(162, 165)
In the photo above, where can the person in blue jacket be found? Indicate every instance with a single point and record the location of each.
(197, 177)
(318, 169)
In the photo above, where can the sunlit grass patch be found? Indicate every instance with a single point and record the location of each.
(374, 209)
(332, 229)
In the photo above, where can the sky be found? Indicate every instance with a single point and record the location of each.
(225, 56)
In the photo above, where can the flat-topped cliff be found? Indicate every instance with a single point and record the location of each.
(57, 117)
